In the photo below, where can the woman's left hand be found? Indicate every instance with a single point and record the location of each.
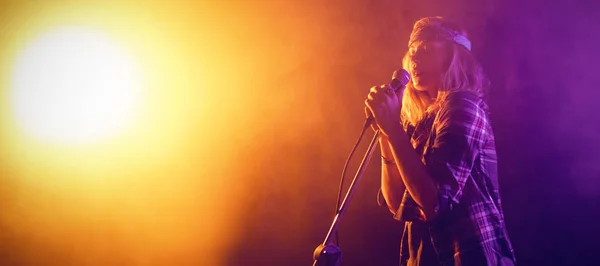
(385, 105)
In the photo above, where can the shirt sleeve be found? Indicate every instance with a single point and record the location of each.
(460, 135)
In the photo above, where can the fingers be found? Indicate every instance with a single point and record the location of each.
(378, 96)
(389, 91)
(380, 92)
(387, 88)
(373, 93)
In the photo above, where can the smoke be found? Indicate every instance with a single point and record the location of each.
(255, 108)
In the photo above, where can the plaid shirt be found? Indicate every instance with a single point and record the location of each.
(458, 149)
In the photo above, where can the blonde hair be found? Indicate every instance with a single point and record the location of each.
(464, 73)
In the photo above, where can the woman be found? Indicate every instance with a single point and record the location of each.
(447, 191)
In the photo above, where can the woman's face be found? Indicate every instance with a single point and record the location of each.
(427, 63)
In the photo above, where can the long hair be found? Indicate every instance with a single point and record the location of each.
(463, 73)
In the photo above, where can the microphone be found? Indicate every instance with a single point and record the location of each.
(400, 78)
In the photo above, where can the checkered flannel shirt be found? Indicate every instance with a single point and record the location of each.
(457, 146)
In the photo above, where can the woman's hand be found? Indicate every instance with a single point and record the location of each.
(385, 105)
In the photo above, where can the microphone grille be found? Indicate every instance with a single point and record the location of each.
(400, 78)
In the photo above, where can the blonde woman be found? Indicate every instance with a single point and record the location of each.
(447, 191)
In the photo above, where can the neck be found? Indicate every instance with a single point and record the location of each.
(432, 96)
(433, 93)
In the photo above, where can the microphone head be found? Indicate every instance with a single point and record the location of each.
(400, 78)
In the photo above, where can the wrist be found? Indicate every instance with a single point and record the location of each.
(384, 144)
(392, 132)
(397, 135)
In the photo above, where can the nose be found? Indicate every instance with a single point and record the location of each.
(417, 56)
(414, 63)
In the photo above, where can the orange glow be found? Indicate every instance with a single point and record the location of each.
(162, 192)
(217, 132)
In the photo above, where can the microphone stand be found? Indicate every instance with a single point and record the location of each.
(328, 254)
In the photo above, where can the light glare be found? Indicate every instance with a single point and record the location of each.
(74, 85)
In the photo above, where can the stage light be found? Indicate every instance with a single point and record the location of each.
(74, 85)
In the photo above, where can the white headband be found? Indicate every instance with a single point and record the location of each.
(462, 40)
(423, 31)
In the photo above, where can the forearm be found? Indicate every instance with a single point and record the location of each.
(392, 186)
(413, 172)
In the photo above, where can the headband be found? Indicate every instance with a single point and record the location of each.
(424, 30)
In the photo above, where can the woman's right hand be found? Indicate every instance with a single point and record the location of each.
(385, 104)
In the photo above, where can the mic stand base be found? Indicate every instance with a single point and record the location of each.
(329, 255)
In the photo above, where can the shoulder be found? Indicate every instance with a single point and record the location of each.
(463, 100)
(463, 105)
(464, 113)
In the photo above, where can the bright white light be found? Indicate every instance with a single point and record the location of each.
(74, 85)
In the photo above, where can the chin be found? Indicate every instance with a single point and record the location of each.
(423, 84)
(420, 87)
